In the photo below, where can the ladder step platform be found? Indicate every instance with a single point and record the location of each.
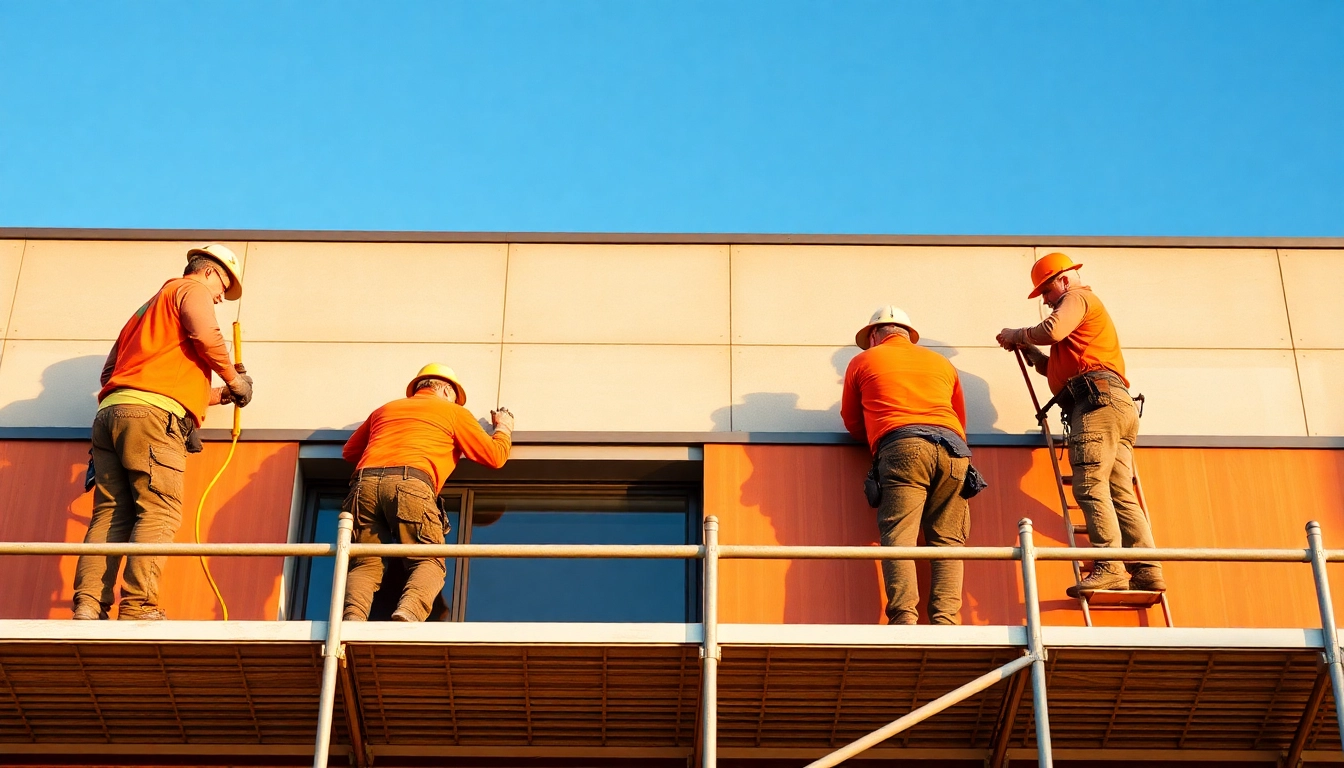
(1123, 598)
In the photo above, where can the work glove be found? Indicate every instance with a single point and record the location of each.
(503, 421)
(241, 387)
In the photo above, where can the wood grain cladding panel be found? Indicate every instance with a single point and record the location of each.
(1208, 497)
(42, 495)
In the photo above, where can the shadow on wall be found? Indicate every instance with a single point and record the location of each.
(42, 491)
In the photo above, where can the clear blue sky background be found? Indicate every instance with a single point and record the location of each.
(1186, 117)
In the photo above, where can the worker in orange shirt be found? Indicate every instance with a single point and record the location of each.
(1086, 373)
(905, 403)
(402, 454)
(156, 387)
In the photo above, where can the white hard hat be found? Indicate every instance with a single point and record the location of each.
(229, 261)
(885, 316)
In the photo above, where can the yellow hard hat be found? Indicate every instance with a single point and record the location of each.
(886, 316)
(438, 371)
(229, 261)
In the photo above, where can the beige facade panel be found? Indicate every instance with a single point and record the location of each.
(1312, 281)
(72, 289)
(611, 294)
(798, 389)
(619, 388)
(50, 383)
(1322, 375)
(336, 386)
(11, 256)
(1189, 297)
(355, 292)
(1244, 392)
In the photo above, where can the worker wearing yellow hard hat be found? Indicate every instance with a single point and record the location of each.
(402, 454)
(1086, 373)
(156, 389)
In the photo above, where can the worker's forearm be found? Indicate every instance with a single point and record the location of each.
(1061, 322)
(199, 324)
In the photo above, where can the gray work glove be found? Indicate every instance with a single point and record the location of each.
(241, 387)
(503, 421)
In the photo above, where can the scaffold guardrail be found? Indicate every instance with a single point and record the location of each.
(710, 552)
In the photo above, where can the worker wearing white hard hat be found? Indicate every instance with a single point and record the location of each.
(155, 391)
(402, 454)
(906, 404)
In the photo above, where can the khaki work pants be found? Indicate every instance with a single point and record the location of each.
(139, 460)
(1101, 451)
(921, 492)
(391, 509)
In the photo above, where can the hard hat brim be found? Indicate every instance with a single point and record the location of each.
(461, 390)
(861, 338)
(1040, 287)
(235, 289)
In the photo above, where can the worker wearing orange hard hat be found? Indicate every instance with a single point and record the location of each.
(402, 454)
(1086, 373)
(156, 388)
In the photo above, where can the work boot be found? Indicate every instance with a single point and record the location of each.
(903, 619)
(141, 614)
(89, 611)
(1104, 575)
(402, 614)
(1147, 578)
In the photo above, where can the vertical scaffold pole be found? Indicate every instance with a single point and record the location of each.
(1329, 632)
(1044, 756)
(709, 668)
(331, 653)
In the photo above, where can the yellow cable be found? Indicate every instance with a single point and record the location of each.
(233, 445)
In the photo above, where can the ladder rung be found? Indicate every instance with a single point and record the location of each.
(1080, 528)
(1067, 480)
(1123, 598)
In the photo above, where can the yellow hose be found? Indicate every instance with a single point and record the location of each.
(233, 445)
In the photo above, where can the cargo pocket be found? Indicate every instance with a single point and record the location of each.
(414, 502)
(166, 470)
(1085, 449)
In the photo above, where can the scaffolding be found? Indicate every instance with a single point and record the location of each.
(647, 677)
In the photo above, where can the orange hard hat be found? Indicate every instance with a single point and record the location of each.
(1047, 268)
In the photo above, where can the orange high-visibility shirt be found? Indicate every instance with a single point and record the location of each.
(896, 384)
(428, 433)
(159, 351)
(1082, 339)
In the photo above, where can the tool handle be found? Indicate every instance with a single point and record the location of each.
(238, 362)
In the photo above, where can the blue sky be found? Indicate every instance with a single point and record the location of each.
(1187, 117)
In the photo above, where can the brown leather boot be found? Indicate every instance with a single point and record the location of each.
(1104, 575)
(1147, 578)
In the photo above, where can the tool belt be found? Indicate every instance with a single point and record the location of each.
(1091, 389)
(872, 486)
(405, 472)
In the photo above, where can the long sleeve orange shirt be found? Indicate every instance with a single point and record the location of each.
(425, 432)
(1081, 336)
(897, 384)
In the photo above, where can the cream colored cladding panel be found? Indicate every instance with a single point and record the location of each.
(404, 292)
(1313, 281)
(50, 383)
(620, 388)
(74, 289)
(336, 386)
(821, 295)
(798, 389)
(1189, 297)
(11, 255)
(617, 294)
(1322, 373)
(1245, 392)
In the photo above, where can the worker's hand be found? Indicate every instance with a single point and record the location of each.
(239, 368)
(220, 396)
(1007, 339)
(503, 421)
(241, 389)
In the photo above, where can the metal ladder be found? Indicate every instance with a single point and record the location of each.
(1103, 598)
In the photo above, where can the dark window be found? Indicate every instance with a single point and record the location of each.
(539, 589)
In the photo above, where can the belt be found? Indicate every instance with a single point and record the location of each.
(406, 472)
(1102, 373)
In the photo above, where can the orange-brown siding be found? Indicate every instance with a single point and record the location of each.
(42, 497)
(1198, 497)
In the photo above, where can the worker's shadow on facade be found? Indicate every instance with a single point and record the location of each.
(42, 488)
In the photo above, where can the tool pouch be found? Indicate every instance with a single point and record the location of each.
(89, 474)
(872, 489)
(1090, 391)
(191, 437)
(975, 482)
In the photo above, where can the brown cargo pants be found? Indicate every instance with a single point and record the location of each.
(139, 460)
(391, 509)
(1101, 451)
(921, 492)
